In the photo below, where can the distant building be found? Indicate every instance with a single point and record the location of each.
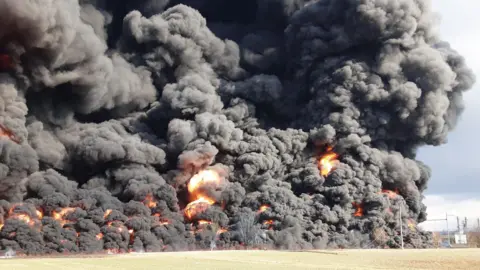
(457, 239)
(460, 238)
(441, 239)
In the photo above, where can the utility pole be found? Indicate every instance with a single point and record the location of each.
(448, 231)
(401, 227)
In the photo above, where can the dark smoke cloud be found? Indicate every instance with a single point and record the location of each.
(118, 103)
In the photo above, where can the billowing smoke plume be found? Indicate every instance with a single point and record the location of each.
(170, 125)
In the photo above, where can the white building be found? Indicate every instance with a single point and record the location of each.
(460, 237)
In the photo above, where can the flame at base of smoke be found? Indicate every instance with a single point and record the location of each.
(106, 133)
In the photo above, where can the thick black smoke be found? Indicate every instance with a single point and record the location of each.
(119, 103)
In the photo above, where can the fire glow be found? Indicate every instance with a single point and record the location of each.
(221, 230)
(263, 208)
(25, 218)
(328, 161)
(60, 216)
(107, 213)
(161, 221)
(358, 209)
(390, 193)
(149, 201)
(8, 134)
(34, 220)
(200, 202)
(31, 221)
(204, 222)
(202, 178)
(198, 206)
(269, 223)
(6, 62)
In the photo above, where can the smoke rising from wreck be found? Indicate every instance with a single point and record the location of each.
(109, 108)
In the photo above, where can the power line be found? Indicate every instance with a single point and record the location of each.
(446, 222)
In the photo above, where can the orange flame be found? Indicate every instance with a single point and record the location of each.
(202, 178)
(107, 213)
(149, 201)
(99, 236)
(39, 214)
(390, 193)
(263, 208)
(7, 133)
(198, 206)
(328, 161)
(12, 208)
(268, 222)
(221, 230)
(204, 222)
(113, 224)
(358, 209)
(201, 202)
(25, 218)
(60, 216)
(1, 225)
(161, 221)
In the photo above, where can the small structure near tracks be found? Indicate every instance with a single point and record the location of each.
(8, 254)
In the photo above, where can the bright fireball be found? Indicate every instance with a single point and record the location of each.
(327, 162)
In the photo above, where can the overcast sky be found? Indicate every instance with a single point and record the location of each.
(454, 186)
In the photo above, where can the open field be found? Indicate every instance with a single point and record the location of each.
(437, 259)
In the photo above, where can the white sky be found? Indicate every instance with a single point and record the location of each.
(454, 187)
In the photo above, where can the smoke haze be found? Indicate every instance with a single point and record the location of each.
(108, 109)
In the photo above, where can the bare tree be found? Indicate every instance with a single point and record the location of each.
(436, 239)
(380, 237)
(474, 237)
(248, 228)
(214, 227)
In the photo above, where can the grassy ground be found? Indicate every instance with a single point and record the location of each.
(438, 259)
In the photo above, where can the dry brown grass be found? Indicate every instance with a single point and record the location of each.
(437, 259)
